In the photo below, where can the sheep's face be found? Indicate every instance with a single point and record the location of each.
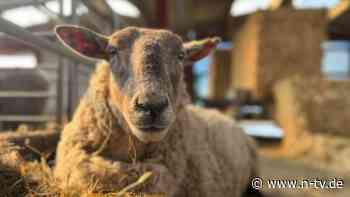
(147, 72)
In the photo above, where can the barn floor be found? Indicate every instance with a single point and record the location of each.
(287, 169)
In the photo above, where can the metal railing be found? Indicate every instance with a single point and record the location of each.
(42, 43)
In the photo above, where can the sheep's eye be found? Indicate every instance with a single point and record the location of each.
(112, 50)
(181, 56)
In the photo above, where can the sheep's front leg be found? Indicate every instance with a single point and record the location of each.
(161, 182)
(81, 170)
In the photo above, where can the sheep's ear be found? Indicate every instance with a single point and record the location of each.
(198, 49)
(83, 41)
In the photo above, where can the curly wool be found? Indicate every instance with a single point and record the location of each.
(204, 150)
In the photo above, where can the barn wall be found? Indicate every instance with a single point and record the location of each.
(273, 45)
(84, 73)
(28, 80)
(48, 66)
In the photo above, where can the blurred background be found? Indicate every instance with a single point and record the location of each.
(282, 71)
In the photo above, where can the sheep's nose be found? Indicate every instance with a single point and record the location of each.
(151, 106)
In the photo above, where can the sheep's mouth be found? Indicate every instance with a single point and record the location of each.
(149, 132)
(151, 128)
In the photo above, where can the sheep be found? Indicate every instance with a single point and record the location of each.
(136, 117)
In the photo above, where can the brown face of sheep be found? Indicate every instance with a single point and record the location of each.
(147, 72)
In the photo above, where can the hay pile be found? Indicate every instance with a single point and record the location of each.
(271, 46)
(32, 179)
(11, 183)
(330, 152)
(19, 176)
(26, 167)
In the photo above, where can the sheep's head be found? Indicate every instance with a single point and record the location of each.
(147, 72)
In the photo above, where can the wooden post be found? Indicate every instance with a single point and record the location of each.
(73, 73)
(162, 10)
(59, 91)
(220, 74)
(73, 85)
(59, 82)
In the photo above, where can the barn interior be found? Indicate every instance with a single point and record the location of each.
(282, 73)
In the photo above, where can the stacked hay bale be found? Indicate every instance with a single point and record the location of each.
(314, 114)
(271, 46)
(333, 111)
(324, 104)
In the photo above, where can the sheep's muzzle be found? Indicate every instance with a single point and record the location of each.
(150, 115)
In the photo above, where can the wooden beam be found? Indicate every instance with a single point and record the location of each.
(92, 7)
(25, 94)
(55, 17)
(27, 37)
(4, 5)
(145, 11)
(338, 9)
(59, 81)
(162, 13)
(26, 118)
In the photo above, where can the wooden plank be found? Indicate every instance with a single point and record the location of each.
(26, 118)
(25, 94)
